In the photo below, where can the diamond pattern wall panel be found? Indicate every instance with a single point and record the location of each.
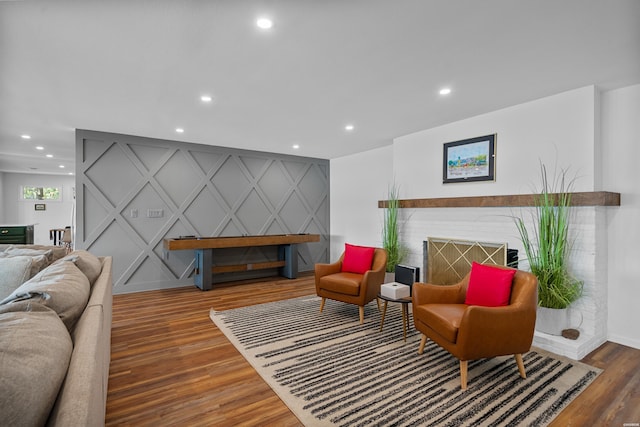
(177, 189)
(134, 192)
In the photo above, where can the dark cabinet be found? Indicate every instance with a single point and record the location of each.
(18, 234)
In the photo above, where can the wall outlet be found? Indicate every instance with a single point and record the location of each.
(155, 213)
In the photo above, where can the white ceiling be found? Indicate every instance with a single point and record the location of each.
(140, 67)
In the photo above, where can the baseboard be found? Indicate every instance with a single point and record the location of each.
(629, 342)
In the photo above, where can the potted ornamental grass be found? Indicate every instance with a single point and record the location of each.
(390, 231)
(547, 250)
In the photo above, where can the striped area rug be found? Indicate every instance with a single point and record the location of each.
(330, 370)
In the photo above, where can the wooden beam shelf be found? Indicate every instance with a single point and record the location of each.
(590, 198)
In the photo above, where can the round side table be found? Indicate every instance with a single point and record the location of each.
(405, 312)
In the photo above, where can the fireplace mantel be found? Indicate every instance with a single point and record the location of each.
(590, 198)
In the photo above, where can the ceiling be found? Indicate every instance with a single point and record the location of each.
(140, 67)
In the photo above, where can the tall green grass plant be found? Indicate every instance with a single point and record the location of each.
(548, 247)
(390, 231)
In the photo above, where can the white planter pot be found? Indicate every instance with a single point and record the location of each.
(552, 320)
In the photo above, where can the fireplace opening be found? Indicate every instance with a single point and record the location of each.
(446, 261)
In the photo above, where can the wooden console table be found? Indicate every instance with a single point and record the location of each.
(287, 262)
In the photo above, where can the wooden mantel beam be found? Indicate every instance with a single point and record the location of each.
(590, 198)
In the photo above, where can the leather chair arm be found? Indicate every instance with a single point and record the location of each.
(426, 293)
(322, 270)
(375, 277)
(483, 330)
(326, 269)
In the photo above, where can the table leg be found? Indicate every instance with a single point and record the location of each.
(204, 263)
(404, 321)
(384, 311)
(289, 254)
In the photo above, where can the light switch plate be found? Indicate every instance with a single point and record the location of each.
(155, 213)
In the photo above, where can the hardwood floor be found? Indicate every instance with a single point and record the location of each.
(170, 365)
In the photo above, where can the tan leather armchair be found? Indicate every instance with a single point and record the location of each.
(474, 332)
(351, 288)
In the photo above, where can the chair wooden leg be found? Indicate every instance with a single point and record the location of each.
(520, 363)
(423, 341)
(463, 374)
(378, 301)
(361, 310)
(322, 304)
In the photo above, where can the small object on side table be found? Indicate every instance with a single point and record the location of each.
(395, 290)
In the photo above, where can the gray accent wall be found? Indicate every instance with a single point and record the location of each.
(133, 192)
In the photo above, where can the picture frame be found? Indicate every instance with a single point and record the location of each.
(40, 206)
(469, 160)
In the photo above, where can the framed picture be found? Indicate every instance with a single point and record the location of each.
(40, 206)
(469, 160)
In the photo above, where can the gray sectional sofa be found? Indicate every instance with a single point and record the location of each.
(55, 336)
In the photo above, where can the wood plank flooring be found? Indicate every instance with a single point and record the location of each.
(171, 366)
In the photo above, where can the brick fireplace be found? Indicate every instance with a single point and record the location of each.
(588, 260)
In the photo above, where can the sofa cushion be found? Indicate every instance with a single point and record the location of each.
(357, 259)
(58, 251)
(14, 272)
(489, 286)
(87, 262)
(38, 262)
(61, 287)
(26, 251)
(34, 358)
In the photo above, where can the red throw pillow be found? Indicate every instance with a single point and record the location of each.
(489, 286)
(357, 259)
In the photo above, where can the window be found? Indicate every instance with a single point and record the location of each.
(41, 193)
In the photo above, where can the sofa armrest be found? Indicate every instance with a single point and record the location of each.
(82, 398)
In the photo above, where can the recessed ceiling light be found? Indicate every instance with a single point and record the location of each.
(61, 166)
(179, 130)
(49, 155)
(295, 146)
(25, 136)
(445, 91)
(349, 127)
(39, 147)
(70, 173)
(264, 23)
(206, 98)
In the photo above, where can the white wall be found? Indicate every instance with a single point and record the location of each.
(561, 130)
(621, 159)
(555, 130)
(2, 202)
(357, 183)
(16, 211)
